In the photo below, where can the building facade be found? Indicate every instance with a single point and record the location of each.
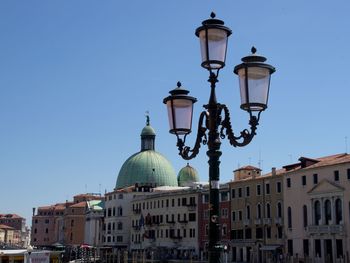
(256, 215)
(317, 208)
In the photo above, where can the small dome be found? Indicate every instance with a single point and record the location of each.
(146, 167)
(187, 175)
(148, 131)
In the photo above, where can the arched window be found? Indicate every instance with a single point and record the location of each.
(120, 226)
(268, 210)
(258, 211)
(289, 217)
(305, 215)
(279, 210)
(317, 212)
(327, 211)
(338, 211)
(248, 212)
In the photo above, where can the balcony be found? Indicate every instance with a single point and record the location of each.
(136, 228)
(267, 221)
(257, 221)
(170, 221)
(183, 221)
(137, 211)
(325, 229)
(246, 222)
(278, 221)
(192, 207)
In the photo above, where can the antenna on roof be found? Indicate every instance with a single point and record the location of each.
(260, 161)
(290, 158)
(346, 144)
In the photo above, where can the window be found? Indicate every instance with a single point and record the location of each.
(305, 216)
(328, 211)
(167, 203)
(233, 193)
(315, 178)
(289, 217)
(336, 175)
(192, 217)
(172, 202)
(206, 198)
(109, 213)
(120, 196)
(224, 212)
(184, 232)
(233, 216)
(35, 230)
(258, 211)
(279, 232)
(206, 214)
(120, 226)
(348, 173)
(247, 191)
(120, 211)
(248, 212)
(239, 192)
(178, 202)
(317, 212)
(306, 247)
(258, 189)
(278, 187)
(47, 221)
(268, 232)
(206, 230)
(224, 230)
(184, 201)
(240, 215)
(303, 180)
(279, 210)
(248, 233)
(72, 222)
(46, 230)
(119, 238)
(268, 210)
(288, 182)
(258, 233)
(338, 211)
(224, 196)
(290, 247)
(267, 188)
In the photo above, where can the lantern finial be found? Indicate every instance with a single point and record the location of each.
(212, 15)
(178, 84)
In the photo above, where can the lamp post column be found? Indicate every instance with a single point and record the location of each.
(214, 154)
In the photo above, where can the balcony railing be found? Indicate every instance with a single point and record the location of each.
(170, 221)
(325, 229)
(191, 207)
(246, 222)
(257, 221)
(267, 221)
(137, 211)
(183, 221)
(278, 220)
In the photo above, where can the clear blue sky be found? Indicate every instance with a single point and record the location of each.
(77, 77)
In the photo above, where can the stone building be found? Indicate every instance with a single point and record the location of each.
(256, 215)
(317, 208)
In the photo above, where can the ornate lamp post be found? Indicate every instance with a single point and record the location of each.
(214, 122)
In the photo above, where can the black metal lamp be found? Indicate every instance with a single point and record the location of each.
(214, 123)
(180, 110)
(213, 37)
(254, 82)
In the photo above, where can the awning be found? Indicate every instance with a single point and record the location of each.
(270, 247)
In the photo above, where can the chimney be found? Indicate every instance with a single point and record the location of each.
(273, 171)
(33, 211)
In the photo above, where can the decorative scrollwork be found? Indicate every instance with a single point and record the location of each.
(245, 135)
(185, 151)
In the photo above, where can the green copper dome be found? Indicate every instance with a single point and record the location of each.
(148, 131)
(187, 175)
(147, 167)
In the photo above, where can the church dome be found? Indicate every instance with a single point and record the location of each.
(147, 167)
(187, 175)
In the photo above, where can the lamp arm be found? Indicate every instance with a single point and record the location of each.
(185, 151)
(245, 135)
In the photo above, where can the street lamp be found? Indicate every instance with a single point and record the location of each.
(30, 249)
(214, 122)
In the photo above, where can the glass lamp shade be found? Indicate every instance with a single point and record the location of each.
(180, 110)
(213, 36)
(254, 82)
